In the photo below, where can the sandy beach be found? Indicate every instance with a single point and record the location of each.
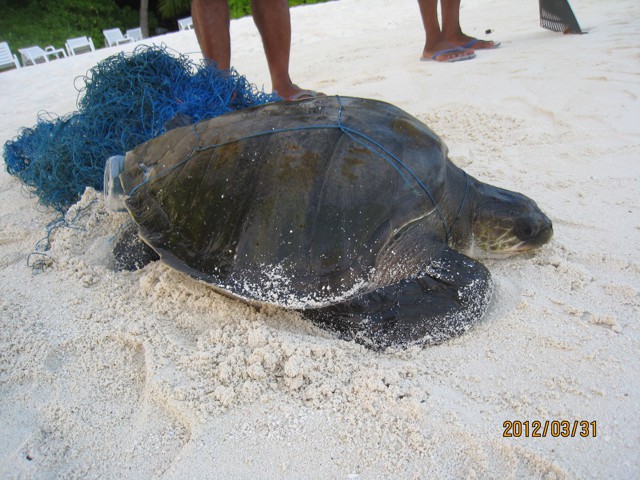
(150, 374)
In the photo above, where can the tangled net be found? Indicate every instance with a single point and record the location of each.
(126, 100)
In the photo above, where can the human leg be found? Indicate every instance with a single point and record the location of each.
(452, 31)
(274, 24)
(436, 46)
(211, 22)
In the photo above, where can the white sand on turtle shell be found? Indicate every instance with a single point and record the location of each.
(151, 374)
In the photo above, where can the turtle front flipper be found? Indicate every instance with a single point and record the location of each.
(445, 300)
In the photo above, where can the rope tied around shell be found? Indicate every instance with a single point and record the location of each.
(366, 141)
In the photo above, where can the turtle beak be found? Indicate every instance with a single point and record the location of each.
(533, 231)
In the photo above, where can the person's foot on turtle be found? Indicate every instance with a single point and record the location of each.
(447, 52)
(293, 92)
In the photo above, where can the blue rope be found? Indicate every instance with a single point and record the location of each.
(123, 101)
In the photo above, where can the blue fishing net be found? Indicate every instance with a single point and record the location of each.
(125, 100)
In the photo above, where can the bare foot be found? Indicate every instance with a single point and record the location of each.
(294, 92)
(447, 52)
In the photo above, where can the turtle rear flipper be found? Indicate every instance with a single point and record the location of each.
(129, 251)
(444, 301)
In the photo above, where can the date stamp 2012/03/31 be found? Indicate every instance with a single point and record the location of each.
(549, 428)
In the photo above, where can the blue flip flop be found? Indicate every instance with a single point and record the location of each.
(475, 40)
(449, 50)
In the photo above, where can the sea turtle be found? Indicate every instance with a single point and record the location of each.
(345, 209)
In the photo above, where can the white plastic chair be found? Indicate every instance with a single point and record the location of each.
(135, 34)
(7, 59)
(33, 55)
(79, 45)
(185, 23)
(113, 37)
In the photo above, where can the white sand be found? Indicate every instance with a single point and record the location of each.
(151, 374)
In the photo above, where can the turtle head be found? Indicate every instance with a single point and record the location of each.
(505, 222)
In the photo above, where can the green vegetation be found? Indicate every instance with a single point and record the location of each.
(241, 8)
(51, 22)
(24, 23)
(237, 8)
